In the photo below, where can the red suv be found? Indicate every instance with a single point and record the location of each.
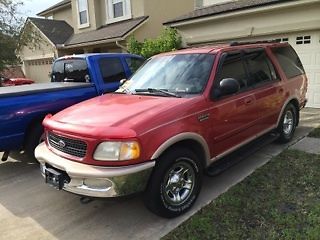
(176, 117)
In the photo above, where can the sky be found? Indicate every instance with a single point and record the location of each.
(31, 7)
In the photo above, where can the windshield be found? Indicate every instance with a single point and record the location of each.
(70, 70)
(180, 74)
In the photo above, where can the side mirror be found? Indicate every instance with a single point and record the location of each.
(229, 86)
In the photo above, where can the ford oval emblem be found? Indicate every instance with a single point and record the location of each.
(62, 144)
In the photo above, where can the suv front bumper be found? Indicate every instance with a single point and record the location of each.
(96, 181)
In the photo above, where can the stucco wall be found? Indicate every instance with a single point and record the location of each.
(160, 12)
(64, 14)
(37, 59)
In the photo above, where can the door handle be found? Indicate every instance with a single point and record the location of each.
(281, 90)
(248, 101)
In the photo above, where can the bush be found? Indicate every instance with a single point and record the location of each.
(169, 40)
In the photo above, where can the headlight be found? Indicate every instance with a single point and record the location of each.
(117, 151)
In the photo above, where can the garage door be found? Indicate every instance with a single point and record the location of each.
(38, 70)
(307, 45)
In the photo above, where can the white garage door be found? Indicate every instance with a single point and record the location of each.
(307, 45)
(38, 70)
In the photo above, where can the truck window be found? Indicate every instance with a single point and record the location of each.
(233, 67)
(70, 70)
(260, 67)
(111, 70)
(289, 61)
(134, 63)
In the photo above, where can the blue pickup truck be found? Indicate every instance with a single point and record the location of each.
(73, 79)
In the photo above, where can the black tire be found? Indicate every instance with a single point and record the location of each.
(33, 139)
(287, 124)
(184, 170)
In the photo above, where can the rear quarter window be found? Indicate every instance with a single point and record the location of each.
(289, 61)
(111, 69)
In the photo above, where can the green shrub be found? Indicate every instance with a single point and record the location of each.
(169, 40)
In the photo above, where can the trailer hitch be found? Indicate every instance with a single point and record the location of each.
(5, 156)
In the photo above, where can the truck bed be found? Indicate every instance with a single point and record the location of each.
(38, 88)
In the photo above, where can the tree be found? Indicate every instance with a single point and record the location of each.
(168, 40)
(10, 26)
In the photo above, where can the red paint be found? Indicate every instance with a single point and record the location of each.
(151, 120)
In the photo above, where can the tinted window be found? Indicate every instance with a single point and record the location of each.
(111, 70)
(259, 67)
(73, 70)
(289, 61)
(233, 67)
(134, 63)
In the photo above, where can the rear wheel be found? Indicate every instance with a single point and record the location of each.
(287, 124)
(175, 183)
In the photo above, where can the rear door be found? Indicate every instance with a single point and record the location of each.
(234, 116)
(267, 89)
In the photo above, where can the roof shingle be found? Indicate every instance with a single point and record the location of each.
(110, 31)
(225, 7)
(58, 32)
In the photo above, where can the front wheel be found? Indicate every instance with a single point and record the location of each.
(34, 138)
(175, 183)
(287, 124)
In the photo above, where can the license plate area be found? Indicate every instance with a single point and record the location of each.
(55, 178)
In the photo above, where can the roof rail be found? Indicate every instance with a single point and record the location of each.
(235, 43)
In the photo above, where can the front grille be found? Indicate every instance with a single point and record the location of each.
(72, 147)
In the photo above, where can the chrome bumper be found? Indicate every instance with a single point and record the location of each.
(96, 181)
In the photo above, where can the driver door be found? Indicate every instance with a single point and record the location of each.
(234, 116)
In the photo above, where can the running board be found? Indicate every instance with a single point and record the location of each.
(244, 152)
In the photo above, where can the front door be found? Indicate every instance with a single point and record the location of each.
(233, 116)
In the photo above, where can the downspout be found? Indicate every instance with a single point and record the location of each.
(121, 46)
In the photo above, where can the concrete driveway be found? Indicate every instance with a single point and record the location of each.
(29, 209)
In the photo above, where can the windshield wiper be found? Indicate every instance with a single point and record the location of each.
(156, 90)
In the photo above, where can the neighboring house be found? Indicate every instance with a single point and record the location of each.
(296, 22)
(84, 26)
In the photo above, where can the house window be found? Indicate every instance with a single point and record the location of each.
(118, 10)
(303, 40)
(83, 13)
(282, 39)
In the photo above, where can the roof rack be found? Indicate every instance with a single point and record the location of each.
(235, 43)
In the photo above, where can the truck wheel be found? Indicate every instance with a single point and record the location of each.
(175, 183)
(287, 124)
(34, 138)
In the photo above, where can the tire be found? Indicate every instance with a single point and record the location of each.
(34, 138)
(287, 124)
(177, 174)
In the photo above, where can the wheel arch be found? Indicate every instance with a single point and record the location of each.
(190, 140)
(294, 101)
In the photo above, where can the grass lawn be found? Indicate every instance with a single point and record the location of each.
(315, 133)
(281, 200)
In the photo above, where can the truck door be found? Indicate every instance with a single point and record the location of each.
(234, 116)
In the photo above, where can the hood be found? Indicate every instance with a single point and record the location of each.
(121, 111)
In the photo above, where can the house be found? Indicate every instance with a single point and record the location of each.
(296, 22)
(84, 26)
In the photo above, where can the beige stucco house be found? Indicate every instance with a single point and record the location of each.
(294, 21)
(83, 26)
